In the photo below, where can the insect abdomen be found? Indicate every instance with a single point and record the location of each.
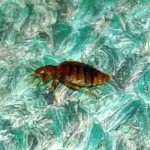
(91, 76)
(81, 74)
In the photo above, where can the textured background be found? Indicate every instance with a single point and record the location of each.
(111, 35)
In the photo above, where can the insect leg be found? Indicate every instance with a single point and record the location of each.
(43, 80)
(80, 89)
(53, 87)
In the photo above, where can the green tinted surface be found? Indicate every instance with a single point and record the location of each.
(110, 35)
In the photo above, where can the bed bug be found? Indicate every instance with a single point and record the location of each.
(73, 74)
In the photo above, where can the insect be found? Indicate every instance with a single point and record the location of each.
(73, 74)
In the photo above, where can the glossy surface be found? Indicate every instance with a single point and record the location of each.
(73, 72)
(80, 74)
(111, 35)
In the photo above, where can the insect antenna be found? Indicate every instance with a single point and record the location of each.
(3, 73)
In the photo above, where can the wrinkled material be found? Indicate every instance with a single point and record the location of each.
(112, 36)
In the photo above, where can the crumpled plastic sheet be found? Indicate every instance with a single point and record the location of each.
(112, 36)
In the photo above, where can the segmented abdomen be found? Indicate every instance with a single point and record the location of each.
(81, 74)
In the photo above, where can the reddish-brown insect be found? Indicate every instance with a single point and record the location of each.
(73, 74)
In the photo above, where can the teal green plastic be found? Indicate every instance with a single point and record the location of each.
(110, 35)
